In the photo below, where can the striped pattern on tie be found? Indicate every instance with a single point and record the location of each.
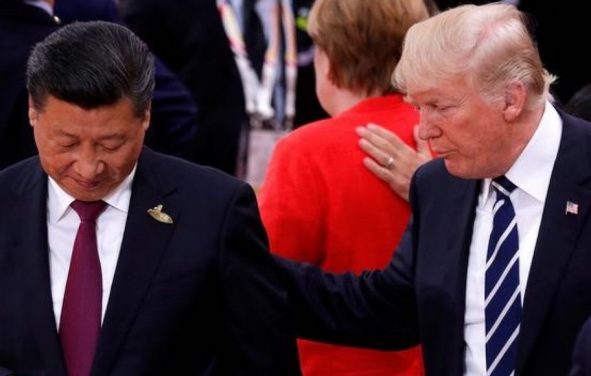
(502, 293)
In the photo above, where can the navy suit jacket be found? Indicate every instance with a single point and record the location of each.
(196, 297)
(420, 296)
(21, 27)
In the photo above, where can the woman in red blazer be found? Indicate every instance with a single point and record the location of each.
(318, 201)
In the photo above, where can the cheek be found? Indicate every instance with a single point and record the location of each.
(114, 163)
(463, 132)
(56, 164)
(122, 162)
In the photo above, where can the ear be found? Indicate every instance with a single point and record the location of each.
(147, 117)
(515, 96)
(322, 63)
(33, 113)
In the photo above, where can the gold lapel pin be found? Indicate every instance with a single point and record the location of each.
(157, 213)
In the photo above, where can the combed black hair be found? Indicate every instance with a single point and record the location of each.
(92, 64)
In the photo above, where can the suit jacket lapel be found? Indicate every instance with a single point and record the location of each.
(558, 235)
(443, 262)
(462, 210)
(144, 243)
(32, 252)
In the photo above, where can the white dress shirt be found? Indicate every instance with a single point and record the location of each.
(531, 174)
(62, 225)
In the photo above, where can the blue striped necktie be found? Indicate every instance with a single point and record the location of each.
(502, 293)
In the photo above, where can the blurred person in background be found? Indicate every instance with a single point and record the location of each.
(174, 126)
(189, 37)
(580, 103)
(318, 199)
(308, 108)
(22, 25)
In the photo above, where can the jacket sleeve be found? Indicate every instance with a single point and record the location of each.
(258, 337)
(375, 310)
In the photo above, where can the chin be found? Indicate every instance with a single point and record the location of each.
(460, 171)
(82, 194)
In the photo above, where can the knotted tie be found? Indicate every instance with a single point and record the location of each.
(80, 322)
(502, 293)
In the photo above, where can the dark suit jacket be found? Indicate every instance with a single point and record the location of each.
(21, 27)
(197, 297)
(582, 352)
(420, 296)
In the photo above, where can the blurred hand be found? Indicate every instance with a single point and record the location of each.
(390, 159)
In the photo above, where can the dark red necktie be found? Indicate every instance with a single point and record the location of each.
(80, 322)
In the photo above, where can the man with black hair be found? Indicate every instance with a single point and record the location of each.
(117, 260)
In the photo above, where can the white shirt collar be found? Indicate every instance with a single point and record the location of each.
(59, 201)
(532, 170)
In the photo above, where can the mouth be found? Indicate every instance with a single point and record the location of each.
(87, 184)
(442, 153)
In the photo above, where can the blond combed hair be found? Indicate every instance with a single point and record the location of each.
(487, 44)
(363, 39)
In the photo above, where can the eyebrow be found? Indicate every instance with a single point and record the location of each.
(65, 134)
(116, 136)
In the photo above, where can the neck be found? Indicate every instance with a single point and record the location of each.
(344, 99)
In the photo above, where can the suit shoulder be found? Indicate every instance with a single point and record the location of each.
(15, 171)
(189, 174)
(432, 179)
(433, 173)
(20, 177)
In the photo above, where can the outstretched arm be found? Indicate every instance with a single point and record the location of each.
(258, 338)
(376, 309)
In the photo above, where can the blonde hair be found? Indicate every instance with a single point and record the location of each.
(363, 39)
(489, 44)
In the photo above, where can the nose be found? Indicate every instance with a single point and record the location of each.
(87, 164)
(427, 126)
